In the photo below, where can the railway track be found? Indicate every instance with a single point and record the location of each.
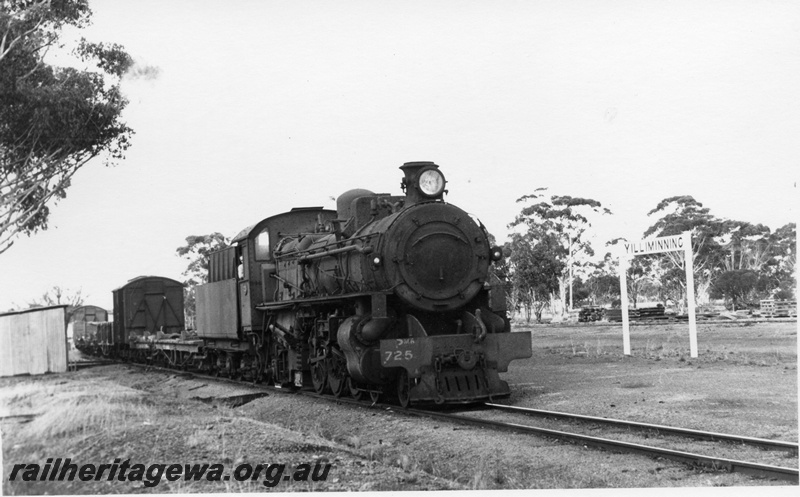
(791, 447)
(692, 459)
(714, 463)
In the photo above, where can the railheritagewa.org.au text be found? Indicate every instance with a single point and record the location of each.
(270, 475)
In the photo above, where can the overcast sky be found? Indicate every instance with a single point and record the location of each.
(261, 106)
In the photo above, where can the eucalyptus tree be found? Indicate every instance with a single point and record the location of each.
(53, 120)
(535, 267)
(779, 269)
(684, 213)
(58, 296)
(561, 223)
(736, 251)
(196, 252)
(736, 285)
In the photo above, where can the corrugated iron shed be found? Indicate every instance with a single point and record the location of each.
(33, 341)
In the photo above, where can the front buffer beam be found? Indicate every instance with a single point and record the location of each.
(455, 368)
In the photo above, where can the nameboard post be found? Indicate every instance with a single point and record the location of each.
(682, 242)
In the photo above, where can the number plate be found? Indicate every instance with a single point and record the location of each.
(409, 353)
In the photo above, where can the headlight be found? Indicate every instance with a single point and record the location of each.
(431, 182)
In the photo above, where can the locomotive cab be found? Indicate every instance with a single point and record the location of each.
(244, 275)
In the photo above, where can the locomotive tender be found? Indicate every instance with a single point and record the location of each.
(386, 295)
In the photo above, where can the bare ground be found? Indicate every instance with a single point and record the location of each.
(745, 381)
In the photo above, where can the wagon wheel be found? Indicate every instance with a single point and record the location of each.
(355, 392)
(403, 390)
(337, 374)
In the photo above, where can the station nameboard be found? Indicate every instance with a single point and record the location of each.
(654, 245)
(681, 242)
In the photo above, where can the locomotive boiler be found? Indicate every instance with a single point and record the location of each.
(387, 295)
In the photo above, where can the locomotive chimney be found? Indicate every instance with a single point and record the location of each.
(422, 182)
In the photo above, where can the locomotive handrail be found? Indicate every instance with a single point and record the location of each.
(350, 248)
(311, 251)
(283, 304)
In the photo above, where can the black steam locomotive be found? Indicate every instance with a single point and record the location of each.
(387, 295)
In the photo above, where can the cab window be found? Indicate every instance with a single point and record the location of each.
(262, 246)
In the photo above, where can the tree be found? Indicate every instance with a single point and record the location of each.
(684, 213)
(603, 284)
(58, 296)
(580, 291)
(779, 269)
(53, 120)
(565, 220)
(746, 245)
(735, 285)
(642, 279)
(534, 270)
(722, 246)
(196, 251)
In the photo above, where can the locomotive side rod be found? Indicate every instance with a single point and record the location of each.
(697, 434)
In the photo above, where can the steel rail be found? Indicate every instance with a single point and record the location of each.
(697, 434)
(716, 463)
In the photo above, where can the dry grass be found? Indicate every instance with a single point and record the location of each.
(69, 419)
(66, 411)
(736, 344)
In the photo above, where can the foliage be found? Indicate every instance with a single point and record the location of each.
(53, 120)
(722, 247)
(642, 279)
(534, 271)
(785, 292)
(680, 214)
(603, 288)
(580, 292)
(196, 251)
(735, 285)
(58, 296)
(779, 268)
(559, 224)
(746, 246)
(719, 246)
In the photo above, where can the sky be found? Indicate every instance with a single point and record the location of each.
(260, 106)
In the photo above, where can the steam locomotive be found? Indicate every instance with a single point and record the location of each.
(386, 296)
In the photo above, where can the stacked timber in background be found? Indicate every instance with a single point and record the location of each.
(589, 314)
(779, 308)
(636, 314)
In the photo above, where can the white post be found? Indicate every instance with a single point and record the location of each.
(569, 261)
(688, 262)
(623, 290)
